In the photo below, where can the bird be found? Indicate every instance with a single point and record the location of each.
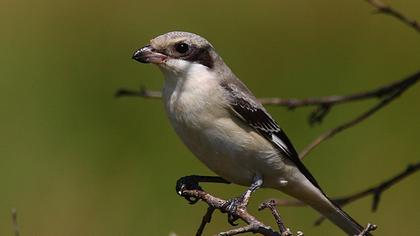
(224, 125)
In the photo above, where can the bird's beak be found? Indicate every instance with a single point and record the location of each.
(148, 54)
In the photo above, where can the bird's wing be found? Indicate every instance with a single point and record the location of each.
(245, 106)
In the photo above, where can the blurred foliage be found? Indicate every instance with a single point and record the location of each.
(76, 161)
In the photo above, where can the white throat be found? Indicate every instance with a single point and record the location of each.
(184, 76)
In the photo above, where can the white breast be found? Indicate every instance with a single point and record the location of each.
(198, 110)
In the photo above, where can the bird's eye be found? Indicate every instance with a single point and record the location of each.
(181, 47)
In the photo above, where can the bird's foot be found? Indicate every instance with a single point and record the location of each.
(188, 183)
(232, 206)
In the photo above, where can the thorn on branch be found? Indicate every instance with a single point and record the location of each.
(318, 115)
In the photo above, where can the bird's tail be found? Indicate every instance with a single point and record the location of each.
(314, 197)
(340, 218)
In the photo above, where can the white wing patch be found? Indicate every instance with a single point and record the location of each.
(280, 143)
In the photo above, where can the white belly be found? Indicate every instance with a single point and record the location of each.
(222, 142)
(232, 152)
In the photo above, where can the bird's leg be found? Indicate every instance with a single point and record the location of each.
(235, 204)
(192, 182)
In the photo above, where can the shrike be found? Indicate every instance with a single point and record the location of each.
(225, 126)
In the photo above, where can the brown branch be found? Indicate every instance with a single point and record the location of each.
(335, 99)
(388, 10)
(375, 191)
(271, 204)
(324, 104)
(253, 224)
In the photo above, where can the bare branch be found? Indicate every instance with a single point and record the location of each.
(388, 10)
(324, 104)
(253, 224)
(241, 230)
(335, 99)
(271, 204)
(206, 219)
(379, 189)
(393, 91)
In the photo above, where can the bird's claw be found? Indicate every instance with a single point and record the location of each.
(187, 183)
(231, 207)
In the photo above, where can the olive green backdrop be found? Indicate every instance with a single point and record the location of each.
(76, 161)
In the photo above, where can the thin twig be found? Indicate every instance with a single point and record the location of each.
(16, 229)
(206, 219)
(375, 191)
(271, 204)
(397, 90)
(335, 99)
(241, 230)
(388, 10)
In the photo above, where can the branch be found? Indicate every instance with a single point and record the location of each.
(375, 191)
(206, 219)
(388, 10)
(271, 204)
(253, 224)
(387, 95)
(324, 104)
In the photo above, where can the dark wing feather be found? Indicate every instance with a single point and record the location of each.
(248, 109)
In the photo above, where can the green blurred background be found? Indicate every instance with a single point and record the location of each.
(76, 161)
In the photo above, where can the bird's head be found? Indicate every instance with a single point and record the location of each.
(178, 52)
